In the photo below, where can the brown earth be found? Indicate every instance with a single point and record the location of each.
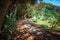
(29, 31)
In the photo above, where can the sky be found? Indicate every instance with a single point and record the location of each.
(55, 2)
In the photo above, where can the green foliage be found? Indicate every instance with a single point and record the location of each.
(46, 16)
(45, 26)
(45, 13)
(9, 26)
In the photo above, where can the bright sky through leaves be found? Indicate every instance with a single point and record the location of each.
(55, 2)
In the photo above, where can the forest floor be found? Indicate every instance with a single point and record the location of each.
(30, 31)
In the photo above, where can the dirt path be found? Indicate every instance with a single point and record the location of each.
(30, 31)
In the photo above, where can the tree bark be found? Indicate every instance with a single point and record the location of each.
(4, 5)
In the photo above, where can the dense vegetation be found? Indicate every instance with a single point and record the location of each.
(45, 15)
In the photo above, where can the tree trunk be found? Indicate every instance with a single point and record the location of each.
(4, 5)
